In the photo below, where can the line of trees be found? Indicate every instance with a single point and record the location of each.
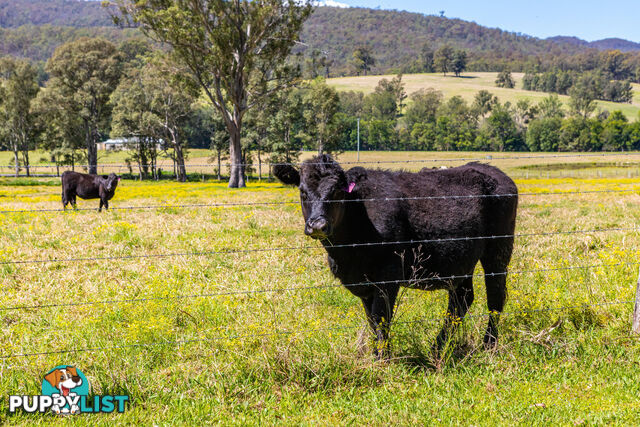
(599, 83)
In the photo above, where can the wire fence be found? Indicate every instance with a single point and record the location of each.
(415, 282)
(348, 200)
(400, 243)
(490, 157)
(411, 283)
(235, 337)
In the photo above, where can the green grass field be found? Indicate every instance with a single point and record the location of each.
(188, 355)
(468, 85)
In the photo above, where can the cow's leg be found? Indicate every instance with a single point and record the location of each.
(495, 277)
(460, 299)
(106, 204)
(101, 203)
(73, 202)
(65, 200)
(379, 311)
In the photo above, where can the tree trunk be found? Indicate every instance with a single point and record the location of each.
(92, 151)
(236, 178)
(259, 165)
(219, 164)
(26, 161)
(16, 159)
(182, 172)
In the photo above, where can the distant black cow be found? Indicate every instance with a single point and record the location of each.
(377, 206)
(88, 187)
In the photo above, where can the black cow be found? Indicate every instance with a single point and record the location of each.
(88, 187)
(377, 206)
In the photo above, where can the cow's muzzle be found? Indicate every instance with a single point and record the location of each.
(317, 228)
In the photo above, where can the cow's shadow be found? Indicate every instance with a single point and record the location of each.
(420, 355)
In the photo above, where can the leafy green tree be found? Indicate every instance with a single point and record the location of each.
(580, 134)
(424, 135)
(505, 80)
(322, 103)
(614, 64)
(582, 101)
(134, 120)
(363, 60)
(426, 59)
(524, 111)
(18, 125)
(62, 128)
(500, 132)
(170, 97)
(443, 59)
(483, 102)
(456, 126)
(386, 101)
(459, 62)
(423, 108)
(86, 72)
(235, 49)
(351, 103)
(614, 133)
(544, 134)
(551, 106)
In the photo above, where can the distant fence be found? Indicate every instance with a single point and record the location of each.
(627, 160)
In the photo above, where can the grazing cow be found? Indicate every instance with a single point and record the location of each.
(88, 187)
(382, 207)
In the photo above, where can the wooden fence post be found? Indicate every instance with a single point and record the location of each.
(635, 327)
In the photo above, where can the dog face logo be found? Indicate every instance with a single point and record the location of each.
(67, 382)
(65, 379)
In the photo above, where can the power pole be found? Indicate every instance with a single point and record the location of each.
(358, 138)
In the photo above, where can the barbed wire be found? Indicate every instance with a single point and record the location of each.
(332, 246)
(287, 332)
(412, 284)
(380, 199)
(489, 157)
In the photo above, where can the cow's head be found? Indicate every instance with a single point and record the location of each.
(111, 182)
(323, 185)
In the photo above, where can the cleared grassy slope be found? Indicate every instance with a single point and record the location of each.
(468, 85)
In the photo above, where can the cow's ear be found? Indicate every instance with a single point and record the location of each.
(287, 174)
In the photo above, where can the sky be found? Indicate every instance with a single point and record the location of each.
(587, 19)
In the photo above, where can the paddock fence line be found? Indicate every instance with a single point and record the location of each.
(297, 248)
(381, 199)
(299, 332)
(491, 157)
(412, 285)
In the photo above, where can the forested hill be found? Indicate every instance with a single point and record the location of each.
(397, 38)
(604, 44)
(15, 13)
(34, 28)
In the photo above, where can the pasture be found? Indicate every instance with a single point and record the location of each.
(229, 314)
(471, 83)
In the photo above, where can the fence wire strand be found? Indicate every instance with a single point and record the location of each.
(284, 332)
(379, 199)
(413, 283)
(489, 158)
(297, 248)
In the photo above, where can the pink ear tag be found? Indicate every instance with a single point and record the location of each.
(351, 187)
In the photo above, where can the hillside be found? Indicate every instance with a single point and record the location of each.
(34, 28)
(468, 86)
(604, 44)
